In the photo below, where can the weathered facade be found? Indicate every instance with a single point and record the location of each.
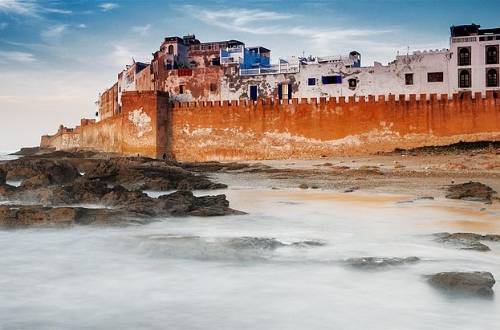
(222, 100)
(140, 128)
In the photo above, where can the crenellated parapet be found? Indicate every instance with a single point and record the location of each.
(152, 125)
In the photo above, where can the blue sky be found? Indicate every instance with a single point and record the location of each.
(55, 56)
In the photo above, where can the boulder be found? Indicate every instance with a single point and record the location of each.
(3, 177)
(183, 203)
(54, 190)
(471, 191)
(18, 216)
(254, 243)
(139, 174)
(476, 283)
(467, 241)
(58, 171)
(380, 262)
(39, 180)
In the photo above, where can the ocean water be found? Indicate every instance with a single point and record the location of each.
(203, 273)
(6, 155)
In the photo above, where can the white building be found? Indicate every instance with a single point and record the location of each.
(470, 65)
(475, 64)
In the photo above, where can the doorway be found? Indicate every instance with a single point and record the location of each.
(253, 92)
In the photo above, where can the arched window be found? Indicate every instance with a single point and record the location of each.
(171, 49)
(464, 79)
(464, 56)
(492, 78)
(492, 55)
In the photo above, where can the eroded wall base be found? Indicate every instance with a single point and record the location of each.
(270, 130)
(150, 126)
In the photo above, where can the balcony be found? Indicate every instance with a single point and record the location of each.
(272, 69)
(231, 60)
(463, 39)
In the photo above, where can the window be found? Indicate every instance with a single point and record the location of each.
(171, 49)
(408, 78)
(352, 83)
(213, 87)
(492, 78)
(284, 91)
(434, 77)
(326, 80)
(464, 79)
(311, 81)
(181, 89)
(492, 55)
(253, 92)
(215, 61)
(464, 56)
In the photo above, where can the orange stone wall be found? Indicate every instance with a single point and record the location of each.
(138, 129)
(108, 102)
(270, 129)
(150, 125)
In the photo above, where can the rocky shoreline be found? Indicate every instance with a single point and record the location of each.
(54, 187)
(60, 188)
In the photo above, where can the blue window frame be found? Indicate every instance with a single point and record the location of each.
(326, 80)
(311, 81)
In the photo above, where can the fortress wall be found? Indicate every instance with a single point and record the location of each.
(269, 129)
(133, 131)
(272, 129)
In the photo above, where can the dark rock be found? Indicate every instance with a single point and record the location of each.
(18, 216)
(214, 166)
(58, 171)
(3, 177)
(477, 283)
(471, 191)
(54, 181)
(467, 241)
(351, 189)
(255, 243)
(40, 180)
(102, 170)
(148, 175)
(425, 198)
(308, 243)
(380, 262)
(303, 186)
(185, 203)
(28, 151)
(491, 237)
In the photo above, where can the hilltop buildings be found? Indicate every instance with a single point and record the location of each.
(225, 101)
(190, 70)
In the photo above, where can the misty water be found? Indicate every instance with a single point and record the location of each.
(205, 273)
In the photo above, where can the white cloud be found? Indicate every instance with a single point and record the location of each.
(142, 30)
(242, 20)
(53, 33)
(19, 7)
(13, 56)
(28, 8)
(122, 54)
(318, 39)
(82, 26)
(57, 11)
(3, 25)
(107, 6)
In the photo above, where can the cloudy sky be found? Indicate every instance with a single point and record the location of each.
(55, 56)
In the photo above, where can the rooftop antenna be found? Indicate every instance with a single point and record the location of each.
(407, 50)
